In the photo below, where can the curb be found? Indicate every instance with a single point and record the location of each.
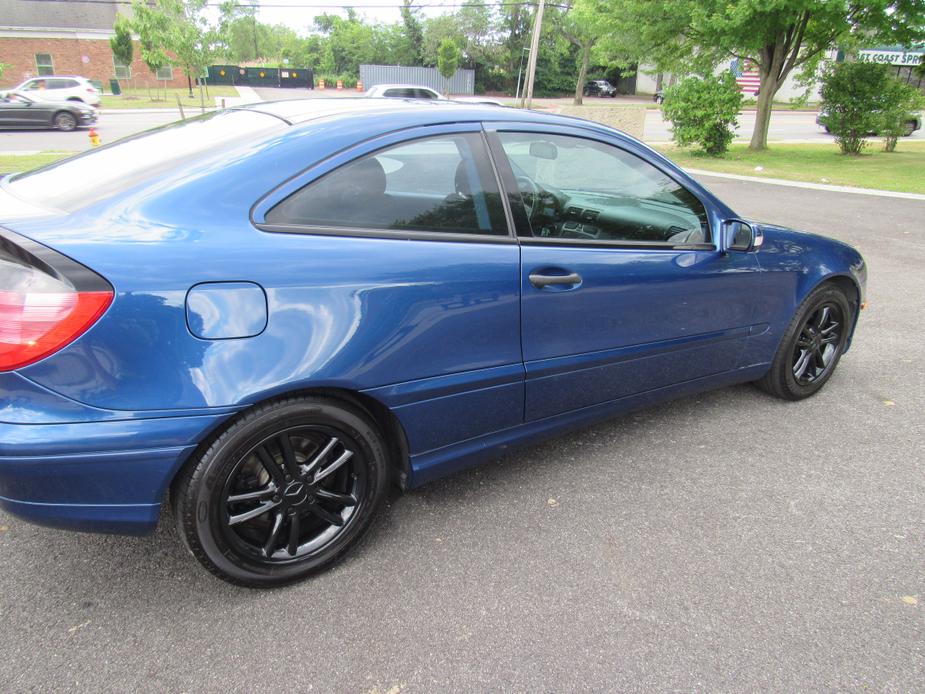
(812, 186)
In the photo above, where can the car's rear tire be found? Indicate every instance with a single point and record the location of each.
(909, 128)
(812, 345)
(64, 121)
(283, 492)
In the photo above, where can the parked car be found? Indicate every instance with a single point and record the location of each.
(18, 111)
(403, 91)
(60, 88)
(410, 91)
(600, 88)
(276, 311)
(913, 123)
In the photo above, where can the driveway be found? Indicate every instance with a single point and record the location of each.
(722, 542)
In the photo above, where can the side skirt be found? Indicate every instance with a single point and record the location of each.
(449, 460)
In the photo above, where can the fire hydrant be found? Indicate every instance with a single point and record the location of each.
(94, 138)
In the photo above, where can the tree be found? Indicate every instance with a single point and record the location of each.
(152, 27)
(448, 60)
(413, 32)
(123, 50)
(778, 37)
(703, 110)
(586, 24)
(173, 30)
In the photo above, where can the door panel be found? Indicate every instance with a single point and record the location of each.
(15, 113)
(623, 289)
(639, 320)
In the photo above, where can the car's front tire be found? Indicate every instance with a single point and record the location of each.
(64, 121)
(812, 345)
(283, 492)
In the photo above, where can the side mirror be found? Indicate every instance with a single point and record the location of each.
(741, 236)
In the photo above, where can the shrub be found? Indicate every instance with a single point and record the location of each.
(703, 111)
(853, 102)
(900, 101)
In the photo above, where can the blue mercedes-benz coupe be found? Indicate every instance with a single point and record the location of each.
(272, 312)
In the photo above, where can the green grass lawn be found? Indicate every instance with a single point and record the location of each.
(156, 98)
(10, 163)
(902, 170)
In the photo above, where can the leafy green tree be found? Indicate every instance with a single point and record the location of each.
(153, 27)
(852, 102)
(513, 26)
(703, 111)
(173, 31)
(413, 33)
(448, 56)
(123, 50)
(587, 24)
(779, 36)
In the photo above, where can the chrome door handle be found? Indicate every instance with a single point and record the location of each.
(540, 281)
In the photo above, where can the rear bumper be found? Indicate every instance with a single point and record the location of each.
(103, 476)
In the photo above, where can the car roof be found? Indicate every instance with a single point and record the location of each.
(51, 77)
(382, 114)
(296, 111)
(403, 86)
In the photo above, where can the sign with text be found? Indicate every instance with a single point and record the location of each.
(891, 57)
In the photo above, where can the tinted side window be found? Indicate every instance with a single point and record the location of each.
(424, 94)
(582, 189)
(441, 184)
(400, 93)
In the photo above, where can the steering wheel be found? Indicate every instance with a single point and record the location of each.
(530, 193)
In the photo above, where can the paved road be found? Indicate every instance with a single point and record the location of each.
(723, 542)
(112, 126)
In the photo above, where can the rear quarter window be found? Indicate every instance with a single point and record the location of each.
(79, 181)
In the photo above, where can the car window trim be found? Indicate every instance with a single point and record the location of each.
(596, 243)
(509, 186)
(392, 139)
(374, 233)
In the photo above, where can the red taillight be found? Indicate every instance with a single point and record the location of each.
(33, 326)
(91, 90)
(46, 301)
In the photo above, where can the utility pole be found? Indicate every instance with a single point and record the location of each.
(534, 49)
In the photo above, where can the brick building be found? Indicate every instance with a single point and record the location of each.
(68, 37)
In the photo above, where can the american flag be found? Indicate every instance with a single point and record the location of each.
(747, 76)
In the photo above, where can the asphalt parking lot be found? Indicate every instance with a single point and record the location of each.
(722, 542)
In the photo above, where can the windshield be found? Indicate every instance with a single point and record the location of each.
(100, 173)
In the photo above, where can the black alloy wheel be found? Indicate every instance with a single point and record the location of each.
(292, 493)
(818, 343)
(812, 345)
(65, 121)
(283, 492)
